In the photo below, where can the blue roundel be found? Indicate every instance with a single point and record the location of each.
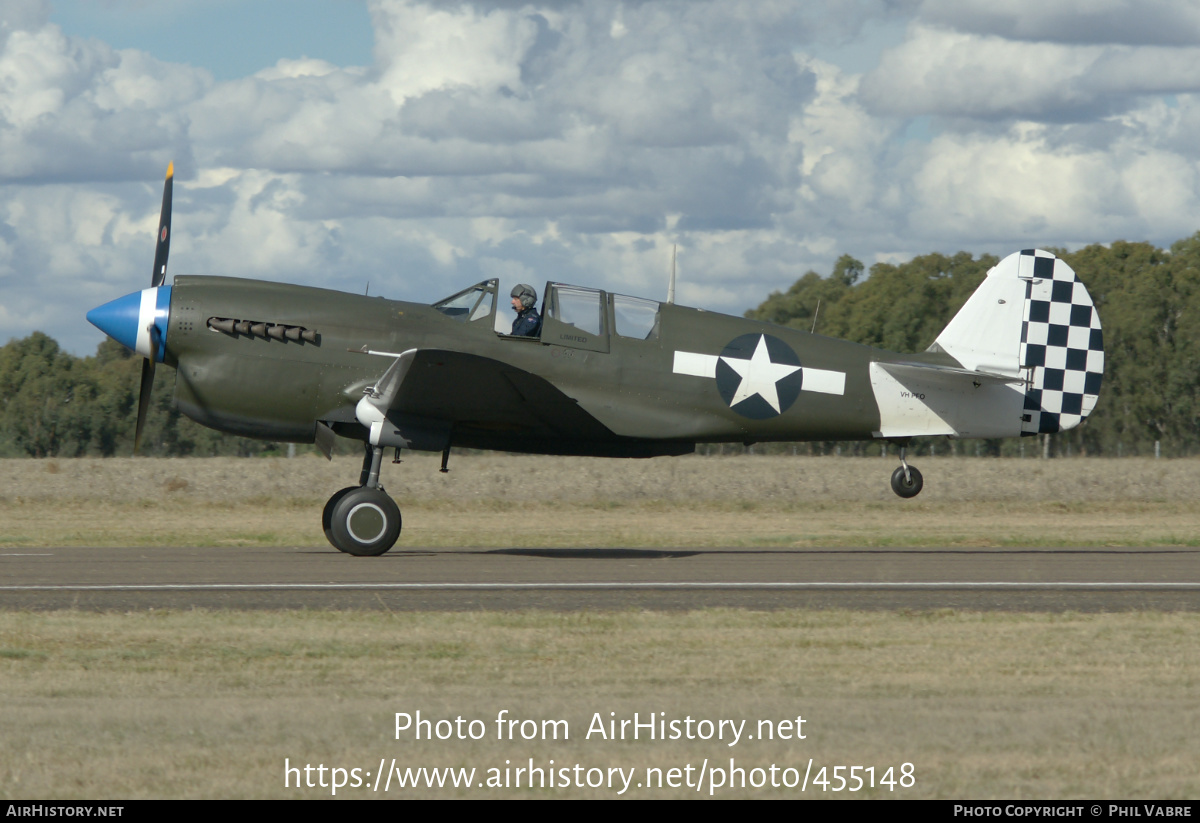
(759, 376)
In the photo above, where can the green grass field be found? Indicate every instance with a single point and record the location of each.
(983, 705)
(210, 704)
(692, 501)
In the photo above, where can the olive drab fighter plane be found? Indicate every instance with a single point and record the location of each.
(609, 375)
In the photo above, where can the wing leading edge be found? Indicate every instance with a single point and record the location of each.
(428, 397)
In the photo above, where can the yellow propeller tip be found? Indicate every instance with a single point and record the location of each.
(171, 169)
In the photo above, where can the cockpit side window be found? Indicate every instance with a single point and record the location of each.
(471, 304)
(577, 307)
(635, 317)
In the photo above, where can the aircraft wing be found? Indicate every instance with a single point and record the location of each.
(424, 394)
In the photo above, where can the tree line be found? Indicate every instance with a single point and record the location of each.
(1149, 304)
(53, 403)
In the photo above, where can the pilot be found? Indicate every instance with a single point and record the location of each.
(528, 322)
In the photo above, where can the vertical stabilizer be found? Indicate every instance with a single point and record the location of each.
(985, 335)
(1033, 317)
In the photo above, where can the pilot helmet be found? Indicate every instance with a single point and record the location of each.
(526, 293)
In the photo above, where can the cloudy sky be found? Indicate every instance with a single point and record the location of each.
(421, 147)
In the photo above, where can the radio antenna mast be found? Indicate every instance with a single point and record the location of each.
(671, 285)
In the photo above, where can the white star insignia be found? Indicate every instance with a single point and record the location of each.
(759, 376)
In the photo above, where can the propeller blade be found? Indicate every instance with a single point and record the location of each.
(164, 231)
(147, 385)
(143, 402)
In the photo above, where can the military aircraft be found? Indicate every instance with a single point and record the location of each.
(608, 375)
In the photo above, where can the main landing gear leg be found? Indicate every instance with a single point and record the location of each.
(906, 480)
(363, 520)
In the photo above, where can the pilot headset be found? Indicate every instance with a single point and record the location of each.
(526, 293)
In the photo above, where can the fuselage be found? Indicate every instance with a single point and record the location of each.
(672, 387)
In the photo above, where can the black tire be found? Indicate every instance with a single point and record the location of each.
(910, 488)
(364, 522)
(327, 514)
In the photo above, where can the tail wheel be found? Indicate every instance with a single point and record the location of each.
(363, 521)
(907, 486)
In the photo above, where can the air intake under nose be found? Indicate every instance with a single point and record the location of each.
(128, 320)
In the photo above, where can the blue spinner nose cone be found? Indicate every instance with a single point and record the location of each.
(129, 320)
(119, 319)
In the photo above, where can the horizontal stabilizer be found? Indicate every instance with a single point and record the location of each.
(924, 400)
(930, 371)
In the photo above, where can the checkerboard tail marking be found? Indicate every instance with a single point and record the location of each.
(1062, 345)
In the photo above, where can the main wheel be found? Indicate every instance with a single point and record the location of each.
(910, 487)
(364, 522)
(327, 514)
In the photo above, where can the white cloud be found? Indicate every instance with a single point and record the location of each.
(22, 15)
(423, 47)
(1138, 22)
(1165, 189)
(578, 141)
(72, 109)
(1012, 187)
(840, 142)
(996, 190)
(944, 72)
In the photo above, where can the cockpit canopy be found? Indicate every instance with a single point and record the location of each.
(475, 303)
(583, 317)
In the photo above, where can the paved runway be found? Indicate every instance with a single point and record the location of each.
(573, 579)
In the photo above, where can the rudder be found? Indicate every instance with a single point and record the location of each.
(1062, 345)
(1033, 317)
